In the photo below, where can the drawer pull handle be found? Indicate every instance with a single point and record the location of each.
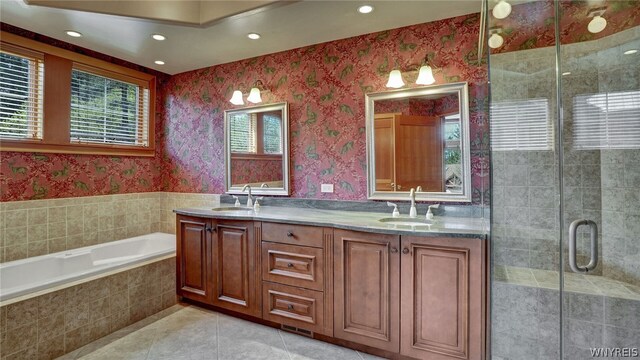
(405, 251)
(289, 234)
(289, 265)
(394, 250)
(290, 307)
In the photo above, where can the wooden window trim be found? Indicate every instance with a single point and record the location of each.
(253, 156)
(57, 114)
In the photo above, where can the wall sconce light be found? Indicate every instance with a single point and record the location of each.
(598, 23)
(495, 40)
(425, 76)
(501, 10)
(395, 79)
(254, 97)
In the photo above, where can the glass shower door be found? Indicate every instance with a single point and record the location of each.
(600, 92)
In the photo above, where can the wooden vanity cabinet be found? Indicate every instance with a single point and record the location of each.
(217, 263)
(193, 252)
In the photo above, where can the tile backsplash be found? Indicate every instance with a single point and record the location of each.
(39, 227)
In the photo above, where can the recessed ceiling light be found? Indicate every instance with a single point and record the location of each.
(158, 37)
(159, 62)
(73, 33)
(365, 9)
(630, 52)
(253, 36)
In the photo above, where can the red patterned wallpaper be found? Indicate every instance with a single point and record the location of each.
(325, 87)
(245, 171)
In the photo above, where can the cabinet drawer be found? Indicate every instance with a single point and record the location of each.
(292, 234)
(293, 306)
(293, 265)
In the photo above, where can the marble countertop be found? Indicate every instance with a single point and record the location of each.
(349, 220)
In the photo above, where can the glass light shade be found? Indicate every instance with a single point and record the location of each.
(425, 76)
(597, 24)
(254, 96)
(501, 10)
(236, 99)
(395, 79)
(495, 41)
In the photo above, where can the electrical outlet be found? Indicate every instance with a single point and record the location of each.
(326, 188)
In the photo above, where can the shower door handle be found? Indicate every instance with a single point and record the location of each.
(573, 261)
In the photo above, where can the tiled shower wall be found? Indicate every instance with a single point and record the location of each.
(38, 227)
(601, 185)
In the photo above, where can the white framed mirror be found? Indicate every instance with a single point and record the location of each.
(419, 138)
(257, 149)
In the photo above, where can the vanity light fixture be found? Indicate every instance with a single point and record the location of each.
(253, 36)
(630, 52)
(158, 37)
(254, 96)
(395, 79)
(365, 9)
(236, 98)
(425, 76)
(495, 40)
(74, 33)
(598, 23)
(159, 62)
(501, 10)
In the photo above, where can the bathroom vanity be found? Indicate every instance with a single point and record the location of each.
(412, 290)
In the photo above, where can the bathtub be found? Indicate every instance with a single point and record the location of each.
(23, 279)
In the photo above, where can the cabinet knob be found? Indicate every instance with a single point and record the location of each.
(211, 229)
(289, 265)
(405, 251)
(394, 250)
(289, 234)
(289, 307)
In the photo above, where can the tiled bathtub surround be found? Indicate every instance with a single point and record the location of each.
(51, 325)
(39, 227)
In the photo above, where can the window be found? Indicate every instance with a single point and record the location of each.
(452, 153)
(521, 125)
(21, 89)
(108, 111)
(256, 133)
(58, 101)
(607, 120)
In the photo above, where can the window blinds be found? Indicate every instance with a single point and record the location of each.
(243, 133)
(108, 111)
(521, 125)
(21, 94)
(272, 128)
(607, 120)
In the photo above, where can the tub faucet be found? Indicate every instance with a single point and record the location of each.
(413, 213)
(249, 197)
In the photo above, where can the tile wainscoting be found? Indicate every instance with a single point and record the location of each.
(57, 323)
(38, 227)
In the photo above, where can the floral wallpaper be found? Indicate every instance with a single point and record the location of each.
(325, 86)
(247, 171)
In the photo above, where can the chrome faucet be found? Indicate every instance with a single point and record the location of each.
(419, 188)
(413, 213)
(430, 213)
(249, 198)
(264, 185)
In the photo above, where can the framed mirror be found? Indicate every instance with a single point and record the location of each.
(419, 138)
(257, 149)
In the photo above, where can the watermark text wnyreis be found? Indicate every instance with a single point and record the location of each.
(628, 352)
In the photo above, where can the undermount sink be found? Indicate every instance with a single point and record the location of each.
(233, 208)
(406, 221)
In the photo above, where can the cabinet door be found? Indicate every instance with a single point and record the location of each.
(234, 267)
(193, 252)
(367, 288)
(442, 298)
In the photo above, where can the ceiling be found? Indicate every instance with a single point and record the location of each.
(206, 33)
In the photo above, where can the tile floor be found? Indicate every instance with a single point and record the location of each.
(189, 332)
(586, 284)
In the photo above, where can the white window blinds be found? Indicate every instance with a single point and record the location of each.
(21, 94)
(272, 138)
(243, 128)
(108, 111)
(607, 120)
(521, 125)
